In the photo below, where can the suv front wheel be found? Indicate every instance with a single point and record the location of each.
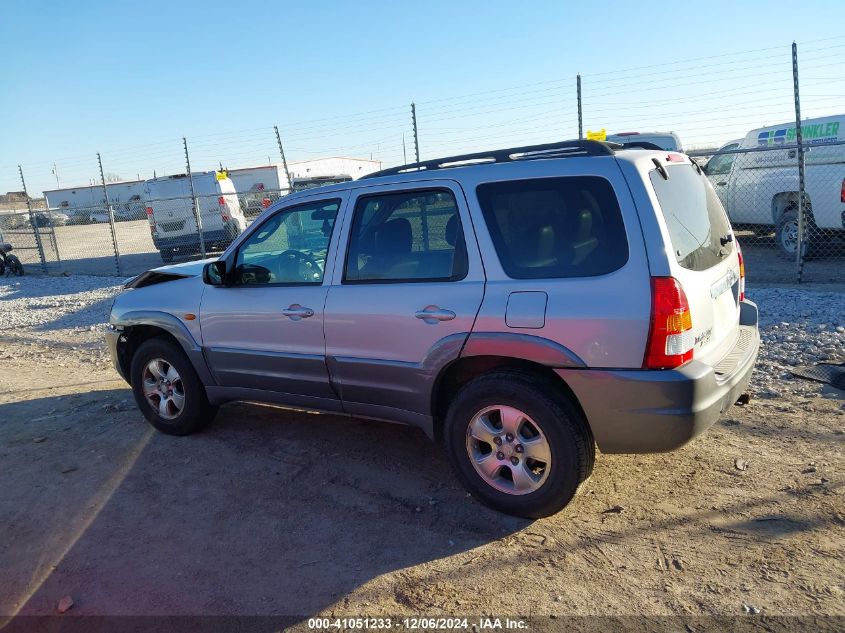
(168, 390)
(518, 444)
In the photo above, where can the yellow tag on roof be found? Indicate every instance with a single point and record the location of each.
(601, 135)
(221, 175)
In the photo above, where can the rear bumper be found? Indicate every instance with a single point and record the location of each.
(649, 411)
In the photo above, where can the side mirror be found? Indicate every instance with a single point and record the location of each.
(214, 273)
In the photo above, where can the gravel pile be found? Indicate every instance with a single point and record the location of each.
(56, 303)
(798, 326)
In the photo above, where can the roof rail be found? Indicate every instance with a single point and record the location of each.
(563, 149)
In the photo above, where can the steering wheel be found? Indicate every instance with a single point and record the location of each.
(291, 260)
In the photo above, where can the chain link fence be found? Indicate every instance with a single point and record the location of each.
(133, 237)
(761, 190)
(782, 240)
(784, 192)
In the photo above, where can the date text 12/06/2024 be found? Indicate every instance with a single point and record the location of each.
(416, 624)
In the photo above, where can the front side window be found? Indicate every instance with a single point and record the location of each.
(289, 247)
(406, 237)
(555, 227)
(721, 163)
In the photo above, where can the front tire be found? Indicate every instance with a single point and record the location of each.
(167, 389)
(518, 444)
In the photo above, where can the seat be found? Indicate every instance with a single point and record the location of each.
(391, 249)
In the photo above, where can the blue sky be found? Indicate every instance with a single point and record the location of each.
(131, 79)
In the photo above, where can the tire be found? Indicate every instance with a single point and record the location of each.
(195, 411)
(15, 266)
(547, 414)
(786, 234)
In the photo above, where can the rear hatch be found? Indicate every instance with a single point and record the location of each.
(703, 255)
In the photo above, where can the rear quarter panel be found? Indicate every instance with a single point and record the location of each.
(603, 320)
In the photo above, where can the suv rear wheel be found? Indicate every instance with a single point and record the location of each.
(518, 444)
(168, 390)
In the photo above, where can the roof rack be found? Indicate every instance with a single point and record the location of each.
(563, 149)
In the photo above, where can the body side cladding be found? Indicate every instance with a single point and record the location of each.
(394, 390)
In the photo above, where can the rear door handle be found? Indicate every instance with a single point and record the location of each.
(721, 183)
(297, 312)
(433, 314)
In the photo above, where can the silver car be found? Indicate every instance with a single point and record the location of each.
(520, 306)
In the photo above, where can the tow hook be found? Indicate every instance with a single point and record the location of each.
(743, 400)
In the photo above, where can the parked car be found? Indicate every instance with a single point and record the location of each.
(49, 218)
(664, 140)
(519, 311)
(759, 189)
(254, 201)
(170, 211)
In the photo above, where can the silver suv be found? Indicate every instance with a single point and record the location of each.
(520, 306)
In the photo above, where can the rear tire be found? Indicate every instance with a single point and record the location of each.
(786, 234)
(167, 389)
(532, 470)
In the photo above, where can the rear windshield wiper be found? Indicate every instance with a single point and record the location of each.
(726, 239)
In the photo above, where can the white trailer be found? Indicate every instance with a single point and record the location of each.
(87, 203)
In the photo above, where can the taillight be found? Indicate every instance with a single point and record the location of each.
(741, 271)
(151, 219)
(670, 337)
(842, 193)
(224, 211)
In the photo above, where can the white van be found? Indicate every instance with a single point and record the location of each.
(664, 140)
(170, 211)
(759, 189)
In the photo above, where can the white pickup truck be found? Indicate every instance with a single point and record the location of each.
(759, 186)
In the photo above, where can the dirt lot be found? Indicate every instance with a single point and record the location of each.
(273, 512)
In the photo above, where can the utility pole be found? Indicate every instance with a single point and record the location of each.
(578, 88)
(111, 215)
(197, 213)
(416, 137)
(56, 174)
(33, 224)
(284, 160)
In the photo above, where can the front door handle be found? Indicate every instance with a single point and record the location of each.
(297, 312)
(433, 314)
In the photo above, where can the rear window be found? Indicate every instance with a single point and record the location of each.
(694, 216)
(555, 227)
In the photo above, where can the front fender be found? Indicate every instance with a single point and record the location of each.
(173, 326)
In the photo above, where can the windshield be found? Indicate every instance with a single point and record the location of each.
(694, 216)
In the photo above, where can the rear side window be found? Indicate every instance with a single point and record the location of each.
(406, 237)
(694, 216)
(555, 227)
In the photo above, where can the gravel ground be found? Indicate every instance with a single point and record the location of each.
(239, 518)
